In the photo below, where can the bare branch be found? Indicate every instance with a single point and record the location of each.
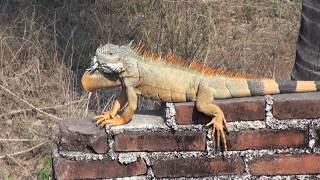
(24, 151)
(108, 103)
(44, 108)
(19, 164)
(17, 140)
(87, 108)
(32, 106)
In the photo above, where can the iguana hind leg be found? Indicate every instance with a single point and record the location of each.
(204, 104)
(114, 120)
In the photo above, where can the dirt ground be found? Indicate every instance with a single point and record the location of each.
(45, 46)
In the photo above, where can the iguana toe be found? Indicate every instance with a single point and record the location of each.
(218, 132)
(104, 116)
(112, 122)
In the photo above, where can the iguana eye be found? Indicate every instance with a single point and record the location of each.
(110, 53)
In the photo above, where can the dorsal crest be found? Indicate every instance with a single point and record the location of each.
(183, 63)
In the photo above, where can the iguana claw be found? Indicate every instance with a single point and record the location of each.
(218, 132)
(105, 115)
(108, 118)
(112, 122)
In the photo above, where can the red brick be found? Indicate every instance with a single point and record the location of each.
(297, 105)
(197, 167)
(288, 164)
(96, 169)
(161, 141)
(267, 139)
(186, 113)
(82, 135)
(235, 109)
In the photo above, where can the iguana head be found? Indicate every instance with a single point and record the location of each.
(108, 59)
(107, 67)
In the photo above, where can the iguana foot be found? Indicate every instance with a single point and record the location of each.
(219, 129)
(105, 115)
(105, 118)
(116, 121)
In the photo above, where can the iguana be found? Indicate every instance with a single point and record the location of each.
(171, 79)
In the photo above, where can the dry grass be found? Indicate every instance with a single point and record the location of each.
(256, 36)
(45, 46)
(32, 70)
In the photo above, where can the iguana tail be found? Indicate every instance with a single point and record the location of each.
(270, 86)
(238, 87)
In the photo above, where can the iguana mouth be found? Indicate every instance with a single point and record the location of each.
(105, 65)
(93, 65)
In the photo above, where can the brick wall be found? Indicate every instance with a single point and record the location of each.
(271, 137)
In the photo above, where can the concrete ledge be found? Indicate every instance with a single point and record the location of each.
(142, 121)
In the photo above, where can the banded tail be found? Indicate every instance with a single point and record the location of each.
(270, 86)
(234, 87)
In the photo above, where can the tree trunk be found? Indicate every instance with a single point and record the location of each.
(307, 65)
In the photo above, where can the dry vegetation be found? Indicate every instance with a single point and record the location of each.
(45, 46)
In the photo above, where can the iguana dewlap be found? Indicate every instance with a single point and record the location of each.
(171, 80)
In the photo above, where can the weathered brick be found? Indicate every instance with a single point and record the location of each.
(96, 169)
(161, 141)
(186, 113)
(235, 109)
(297, 105)
(82, 135)
(287, 164)
(197, 167)
(267, 139)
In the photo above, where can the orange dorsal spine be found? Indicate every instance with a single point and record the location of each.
(178, 61)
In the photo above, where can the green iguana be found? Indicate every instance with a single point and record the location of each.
(170, 79)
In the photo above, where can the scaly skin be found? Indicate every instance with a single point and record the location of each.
(122, 66)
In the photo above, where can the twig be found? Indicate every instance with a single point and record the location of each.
(44, 108)
(14, 160)
(32, 106)
(17, 140)
(22, 73)
(87, 108)
(107, 104)
(19, 164)
(24, 151)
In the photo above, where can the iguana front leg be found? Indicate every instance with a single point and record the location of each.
(112, 119)
(119, 103)
(205, 97)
